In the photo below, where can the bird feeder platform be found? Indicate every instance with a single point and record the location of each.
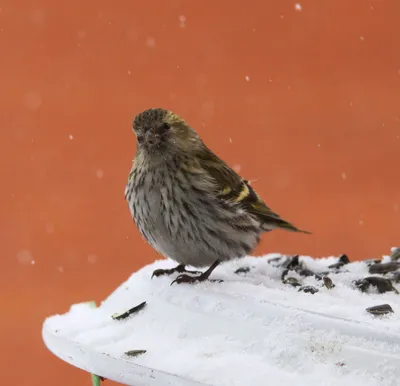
(273, 320)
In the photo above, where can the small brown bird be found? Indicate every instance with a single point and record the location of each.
(188, 203)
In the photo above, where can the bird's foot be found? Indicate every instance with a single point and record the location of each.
(193, 279)
(183, 278)
(180, 268)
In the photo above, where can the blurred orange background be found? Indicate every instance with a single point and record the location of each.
(304, 99)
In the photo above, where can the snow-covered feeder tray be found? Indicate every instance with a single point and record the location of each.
(252, 329)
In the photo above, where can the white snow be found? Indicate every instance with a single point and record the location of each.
(250, 330)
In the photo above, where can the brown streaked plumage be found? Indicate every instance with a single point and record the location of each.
(187, 202)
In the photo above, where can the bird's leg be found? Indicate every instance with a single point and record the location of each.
(180, 268)
(193, 279)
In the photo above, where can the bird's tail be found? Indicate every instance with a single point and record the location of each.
(283, 224)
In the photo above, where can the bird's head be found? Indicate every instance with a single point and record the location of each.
(159, 131)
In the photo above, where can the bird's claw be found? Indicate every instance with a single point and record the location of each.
(179, 268)
(193, 279)
(185, 279)
(160, 272)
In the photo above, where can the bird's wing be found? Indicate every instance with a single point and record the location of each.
(233, 188)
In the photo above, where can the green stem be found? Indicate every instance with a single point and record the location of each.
(95, 378)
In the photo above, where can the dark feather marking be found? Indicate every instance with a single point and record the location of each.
(243, 227)
(247, 248)
(189, 210)
(225, 177)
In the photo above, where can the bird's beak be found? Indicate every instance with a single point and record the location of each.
(152, 139)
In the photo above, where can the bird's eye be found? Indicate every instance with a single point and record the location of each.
(140, 138)
(165, 126)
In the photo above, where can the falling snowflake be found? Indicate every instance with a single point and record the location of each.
(247, 78)
(24, 256)
(182, 21)
(298, 7)
(71, 137)
(150, 42)
(92, 258)
(237, 168)
(82, 34)
(33, 100)
(49, 228)
(99, 173)
(38, 17)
